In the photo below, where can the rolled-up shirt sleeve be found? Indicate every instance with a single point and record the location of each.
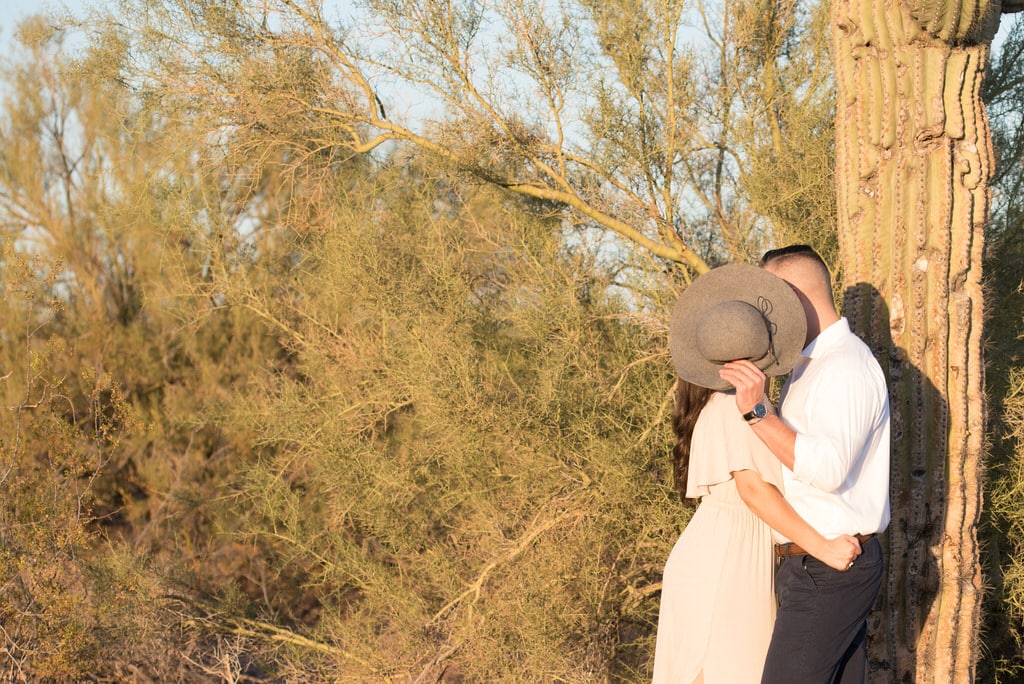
(819, 463)
(838, 422)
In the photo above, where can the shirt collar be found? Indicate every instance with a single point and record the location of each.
(827, 338)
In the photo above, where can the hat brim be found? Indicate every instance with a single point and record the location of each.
(742, 282)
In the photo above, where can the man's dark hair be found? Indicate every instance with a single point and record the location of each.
(792, 250)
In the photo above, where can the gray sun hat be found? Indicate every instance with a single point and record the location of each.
(735, 312)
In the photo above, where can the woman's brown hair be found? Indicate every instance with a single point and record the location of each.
(690, 400)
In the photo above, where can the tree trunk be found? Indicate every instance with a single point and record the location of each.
(913, 163)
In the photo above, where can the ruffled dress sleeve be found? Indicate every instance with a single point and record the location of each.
(722, 443)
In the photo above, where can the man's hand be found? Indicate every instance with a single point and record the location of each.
(748, 380)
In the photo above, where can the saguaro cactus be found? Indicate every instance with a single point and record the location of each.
(914, 159)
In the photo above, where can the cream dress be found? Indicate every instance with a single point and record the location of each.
(717, 598)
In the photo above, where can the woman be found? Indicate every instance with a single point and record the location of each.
(717, 601)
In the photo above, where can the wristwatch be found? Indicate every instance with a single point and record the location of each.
(755, 414)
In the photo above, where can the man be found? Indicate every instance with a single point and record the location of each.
(831, 434)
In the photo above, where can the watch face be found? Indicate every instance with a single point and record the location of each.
(759, 411)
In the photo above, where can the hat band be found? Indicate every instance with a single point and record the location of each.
(766, 307)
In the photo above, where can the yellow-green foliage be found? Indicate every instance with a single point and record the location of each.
(107, 458)
(1007, 499)
(1003, 529)
(403, 425)
(463, 464)
(57, 606)
(790, 178)
(1006, 543)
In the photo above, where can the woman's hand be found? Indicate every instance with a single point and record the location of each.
(839, 553)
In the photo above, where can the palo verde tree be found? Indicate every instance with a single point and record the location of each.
(65, 417)
(462, 469)
(455, 454)
(111, 352)
(644, 119)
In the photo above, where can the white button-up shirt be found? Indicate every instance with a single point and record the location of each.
(837, 403)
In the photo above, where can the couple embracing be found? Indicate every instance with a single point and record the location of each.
(775, 574)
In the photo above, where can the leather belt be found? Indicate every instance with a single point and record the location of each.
(791, 549)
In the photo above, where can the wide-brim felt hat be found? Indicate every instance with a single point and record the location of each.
(733, 312)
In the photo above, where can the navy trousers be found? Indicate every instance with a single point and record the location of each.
(821, 626)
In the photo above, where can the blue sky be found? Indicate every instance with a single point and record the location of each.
(12, 11)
